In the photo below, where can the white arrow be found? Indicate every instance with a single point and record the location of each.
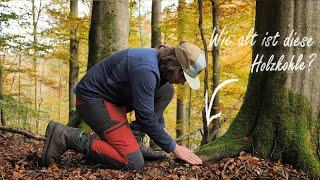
(208, 109)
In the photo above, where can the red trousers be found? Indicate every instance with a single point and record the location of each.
(117, 147)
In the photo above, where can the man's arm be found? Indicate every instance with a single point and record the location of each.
(143, 83)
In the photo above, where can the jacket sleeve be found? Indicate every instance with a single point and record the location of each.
(143, 82)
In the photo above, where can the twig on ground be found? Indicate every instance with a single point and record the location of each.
(22, 132)
(226, 165)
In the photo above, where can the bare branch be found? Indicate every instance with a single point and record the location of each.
(22, 132)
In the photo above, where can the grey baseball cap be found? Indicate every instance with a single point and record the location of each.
(192, 62)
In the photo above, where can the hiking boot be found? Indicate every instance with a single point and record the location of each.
(59, 139)
(148, 153)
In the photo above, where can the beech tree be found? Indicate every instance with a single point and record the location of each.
(109, 29)
(215, 69)
(155, 35)
(281, 108)
(181, 100)
(109, 32)
(73, 63)
(5, 18)
(155, 22)
(35, 54)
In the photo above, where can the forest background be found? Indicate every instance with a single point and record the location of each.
(47, 46)
(35, 57)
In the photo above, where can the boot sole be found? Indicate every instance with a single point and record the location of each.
(48, 135)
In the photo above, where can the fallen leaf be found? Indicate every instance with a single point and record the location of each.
(16, 175)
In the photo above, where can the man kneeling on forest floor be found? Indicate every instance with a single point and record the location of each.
(138, 79)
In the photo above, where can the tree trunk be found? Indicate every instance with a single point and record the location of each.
(140, 23)
(19, 89)
(40, 96)
(109, 32)
(59, 94)
(181, 116)
(204, 139)
(3, 120)
(73, 62)
(155, 23)
(280, 109)
(155, 37)
(181, 104)
(109, 29)
(215, 70)
(35, 19)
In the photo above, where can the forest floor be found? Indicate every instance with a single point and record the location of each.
(19, 159)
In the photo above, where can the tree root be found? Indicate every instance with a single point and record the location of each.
(309, 162)
(223, 147)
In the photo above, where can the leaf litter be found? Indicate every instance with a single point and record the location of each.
(20, 159)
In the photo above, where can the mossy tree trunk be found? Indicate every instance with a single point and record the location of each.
(109, 29)
(109, 32)
(280, 109)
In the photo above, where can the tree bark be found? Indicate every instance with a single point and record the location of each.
(280, 109)
(215, 70)
(3, 120)
(40, 95)
(73, 62)
(155, 23)
(181, 104)
(59, 94)
(35, 19)
(19, 88)
(206, 78)
(155, 37)
(109, 29)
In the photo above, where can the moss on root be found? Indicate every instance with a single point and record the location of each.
(295, 136)
(272, 100)
(235, 139)
(224, 147)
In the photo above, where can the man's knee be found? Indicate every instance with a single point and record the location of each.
(135, 160)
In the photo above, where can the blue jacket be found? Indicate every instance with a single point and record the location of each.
(129, 77)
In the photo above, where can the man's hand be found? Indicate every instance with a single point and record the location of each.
(186, 154)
